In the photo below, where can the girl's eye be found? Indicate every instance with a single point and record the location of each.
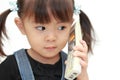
(41, 28)
(61, 28)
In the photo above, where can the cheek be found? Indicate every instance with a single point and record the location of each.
(63, 43)
(34, 39)
(65, 35)
(64, 39)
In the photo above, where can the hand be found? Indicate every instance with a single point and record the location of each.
(81, 51)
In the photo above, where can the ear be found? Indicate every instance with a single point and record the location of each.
(20, 25)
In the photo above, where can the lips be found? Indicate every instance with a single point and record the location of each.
(51, 48)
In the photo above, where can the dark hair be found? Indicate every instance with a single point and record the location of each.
(3, 17)
(61, 10)
(87, 30)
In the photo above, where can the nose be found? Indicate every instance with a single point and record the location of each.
(51, 36)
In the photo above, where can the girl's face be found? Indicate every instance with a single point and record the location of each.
(47, 40)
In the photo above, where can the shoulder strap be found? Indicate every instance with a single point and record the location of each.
(64, 57)
(24, 65)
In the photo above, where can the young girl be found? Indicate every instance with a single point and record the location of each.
(47, 24)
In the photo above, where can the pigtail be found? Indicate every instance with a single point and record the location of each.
(87, 30)
(3, 17)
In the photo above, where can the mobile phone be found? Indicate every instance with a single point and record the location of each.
(73, 67)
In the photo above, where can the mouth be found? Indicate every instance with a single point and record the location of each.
(50, 48)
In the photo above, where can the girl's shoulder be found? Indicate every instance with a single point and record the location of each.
(2, 58)
(9, 69)
(9, 62)
(9, 65)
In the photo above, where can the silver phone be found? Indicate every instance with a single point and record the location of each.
(73, 67)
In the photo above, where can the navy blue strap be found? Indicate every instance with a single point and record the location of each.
(24, 65)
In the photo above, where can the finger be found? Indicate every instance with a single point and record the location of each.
(84, 44)
(83, 63)
(82, 47)
(81, 55)
(78, 48)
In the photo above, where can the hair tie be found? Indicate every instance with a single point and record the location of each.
(13, 5)
(77, 7)
(76, 13)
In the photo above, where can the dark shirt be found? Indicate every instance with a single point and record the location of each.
(9, 70)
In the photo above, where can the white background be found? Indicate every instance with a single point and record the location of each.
(105, 18)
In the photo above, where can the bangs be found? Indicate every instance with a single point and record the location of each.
(41, 10)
